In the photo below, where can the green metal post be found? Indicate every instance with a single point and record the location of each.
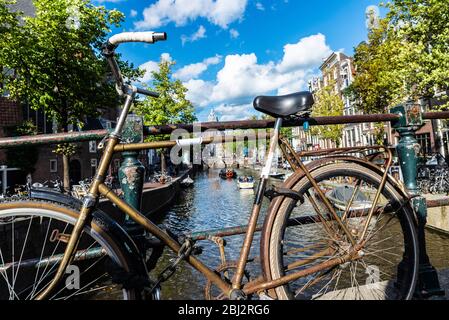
(408, 149)
(132, 173)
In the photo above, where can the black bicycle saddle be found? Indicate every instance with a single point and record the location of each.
(284, 106)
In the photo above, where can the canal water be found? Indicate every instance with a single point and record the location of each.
(215, 203)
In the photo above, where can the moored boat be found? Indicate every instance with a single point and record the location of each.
(228, 174)
(246, 182)
(341, 195)
(276, 175)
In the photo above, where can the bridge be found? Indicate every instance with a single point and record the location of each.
(405, 119)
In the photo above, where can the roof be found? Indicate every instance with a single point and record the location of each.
(339, 55)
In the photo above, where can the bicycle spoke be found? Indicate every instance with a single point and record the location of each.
(21, 254)
(43, 276)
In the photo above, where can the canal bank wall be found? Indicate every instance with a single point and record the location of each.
(437, 218)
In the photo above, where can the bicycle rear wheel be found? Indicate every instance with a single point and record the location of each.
(299, 239)
(33, 237)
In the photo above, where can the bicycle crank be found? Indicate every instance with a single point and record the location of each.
(227, 273)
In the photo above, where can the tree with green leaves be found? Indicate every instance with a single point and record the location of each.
(53, 60)
(328, 104)
(406, 56)
(172, 106)
(23, 157)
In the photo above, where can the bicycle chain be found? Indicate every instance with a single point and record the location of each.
(169, 271)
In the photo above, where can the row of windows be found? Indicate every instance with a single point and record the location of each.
(93, 165)
(54, 164)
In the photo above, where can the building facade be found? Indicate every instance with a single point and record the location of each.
(338, 70)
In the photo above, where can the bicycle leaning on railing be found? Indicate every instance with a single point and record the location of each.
(339, 228)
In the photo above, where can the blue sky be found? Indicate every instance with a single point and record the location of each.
(229, 51)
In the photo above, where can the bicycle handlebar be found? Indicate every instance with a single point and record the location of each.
(147, 37)
(110, 46)
(148, 93)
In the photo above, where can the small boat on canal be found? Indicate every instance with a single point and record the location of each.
(228, 174)
(341, 195)
(246, 182)
(277, 175)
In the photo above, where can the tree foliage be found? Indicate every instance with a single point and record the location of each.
(23, 157)
(328, 104)
(52, 61)
(55, 58)
(172, 106)
(406, 57)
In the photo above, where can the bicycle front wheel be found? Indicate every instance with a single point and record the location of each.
(33, 238)
(306, 237)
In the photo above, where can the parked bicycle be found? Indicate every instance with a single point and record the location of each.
(80, 190)
(433, 176)
(56, 185)
(312, 246)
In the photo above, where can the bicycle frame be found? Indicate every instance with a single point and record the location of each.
(98, 188)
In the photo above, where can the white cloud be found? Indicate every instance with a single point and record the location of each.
(199, 91)
(234, 112)
(260, 6)
(243, 77)
(152, 66)
(307, 52)
(200, 34)
(194, 70)
(234, 33)
(218, 12)
(133, 13)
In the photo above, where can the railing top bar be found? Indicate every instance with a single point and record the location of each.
(55, 138)
(196, 127)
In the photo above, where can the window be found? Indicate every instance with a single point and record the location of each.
(92, 146)
(53, 165)
(424, 142)
(93, 166)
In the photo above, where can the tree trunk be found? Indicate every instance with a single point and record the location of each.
(66, 172)
(163, 162)
(65, 158)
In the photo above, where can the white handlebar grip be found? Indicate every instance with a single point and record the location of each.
(148, 37)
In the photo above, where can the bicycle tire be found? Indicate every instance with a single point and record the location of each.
(55, 215)
(281, 209)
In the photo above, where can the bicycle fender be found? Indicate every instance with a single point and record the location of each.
(109, 226)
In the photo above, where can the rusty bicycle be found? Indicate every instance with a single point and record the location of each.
(340, 227)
